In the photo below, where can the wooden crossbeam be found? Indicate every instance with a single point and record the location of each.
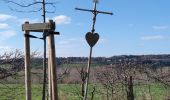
(102, 12)
(39, 27)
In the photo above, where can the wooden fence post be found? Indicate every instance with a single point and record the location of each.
(27, 65)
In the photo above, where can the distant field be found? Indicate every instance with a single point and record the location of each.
(72, 92)
(82, 65)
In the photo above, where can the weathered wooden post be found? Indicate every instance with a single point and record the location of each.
(49, 77)
(41, 27)
(27, 65)
(52, 67)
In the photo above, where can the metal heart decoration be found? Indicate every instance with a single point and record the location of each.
(92, 38)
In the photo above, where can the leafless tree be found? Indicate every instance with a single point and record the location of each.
(29, 6)
(12, 62)
(82, 74)
(63, 74)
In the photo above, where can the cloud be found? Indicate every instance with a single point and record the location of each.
(4, 17)
(4, 26)
(62, 19)
(7, 34)
(156, 37)
(4, 48)
(160, 27)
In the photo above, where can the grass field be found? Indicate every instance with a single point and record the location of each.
(82, 65)
(72, 92)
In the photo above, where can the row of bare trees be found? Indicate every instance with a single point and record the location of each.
(119, 80)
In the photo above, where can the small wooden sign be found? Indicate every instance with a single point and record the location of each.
(38, 27)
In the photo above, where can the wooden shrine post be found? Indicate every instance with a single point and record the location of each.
(27, 65)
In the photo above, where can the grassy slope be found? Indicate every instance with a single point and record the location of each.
(71, 92)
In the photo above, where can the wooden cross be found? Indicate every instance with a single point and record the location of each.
(91, 39)
(95, 12)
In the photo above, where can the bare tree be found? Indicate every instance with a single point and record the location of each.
(82, 74)
(29, 6)
(12, 62)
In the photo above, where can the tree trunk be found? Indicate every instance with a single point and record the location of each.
(130, 89)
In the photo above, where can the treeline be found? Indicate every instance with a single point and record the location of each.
(157, 60)
(37, 61)
(154, 60)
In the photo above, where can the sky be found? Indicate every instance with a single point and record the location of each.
(138, 27)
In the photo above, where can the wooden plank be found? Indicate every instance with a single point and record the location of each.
(49, 74)
(38, 27)
(27, 66)
(52, 63)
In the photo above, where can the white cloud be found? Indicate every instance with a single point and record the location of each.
(4, 17)
(4, 26)
(4, 47)
(62, 19)
(160, 27)
(156, 37)
(7, 34)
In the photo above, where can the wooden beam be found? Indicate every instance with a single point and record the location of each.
(49, 75)
(39, 27)
(52, 68)
(27, 66)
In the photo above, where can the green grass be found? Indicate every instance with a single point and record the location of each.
(81, 65)
(17, 92)
(6, 66)
(157, 91)
(72, 92)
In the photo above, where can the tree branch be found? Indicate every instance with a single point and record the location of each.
(21, 5)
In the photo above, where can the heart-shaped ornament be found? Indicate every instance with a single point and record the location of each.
(92, 38)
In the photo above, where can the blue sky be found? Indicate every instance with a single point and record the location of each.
(137, 27)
